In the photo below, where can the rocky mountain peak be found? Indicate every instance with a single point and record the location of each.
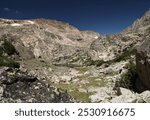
(140, 25)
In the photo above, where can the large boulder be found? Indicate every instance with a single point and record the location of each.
(143, 65)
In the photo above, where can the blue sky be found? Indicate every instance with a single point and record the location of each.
(103, 16)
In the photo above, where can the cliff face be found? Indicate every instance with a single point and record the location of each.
(143, 64)
(89, 66)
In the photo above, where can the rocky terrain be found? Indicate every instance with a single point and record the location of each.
(52, 61)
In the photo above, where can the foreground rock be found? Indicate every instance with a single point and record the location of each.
(126, 96)
(119, 95)
(143, 65)
(16, 86)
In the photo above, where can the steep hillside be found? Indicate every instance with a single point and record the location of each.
(140, 25)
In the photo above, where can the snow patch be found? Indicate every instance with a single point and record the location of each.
(31, 22)
(16, 24)
(96, 37)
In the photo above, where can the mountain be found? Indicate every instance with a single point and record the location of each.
(140, 25)
(83, 65)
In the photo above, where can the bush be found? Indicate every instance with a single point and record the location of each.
(8, 62)
(128, 79)
(125, 55)
(97, 62)
(9, 48)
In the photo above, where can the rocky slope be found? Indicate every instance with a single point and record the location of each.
(89, 66)
(16, 86)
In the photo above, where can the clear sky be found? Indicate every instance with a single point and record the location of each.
(103, 16)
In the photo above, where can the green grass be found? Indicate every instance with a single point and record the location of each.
(73, 88)
(96, 83)
(33, 63)
(73, 91)
(82, 70)
(81, 96)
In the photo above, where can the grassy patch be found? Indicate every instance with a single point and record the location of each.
(81, 96)
(73, 91)
(82, 70)
(33, 63)
(96, 83)
(73, 88)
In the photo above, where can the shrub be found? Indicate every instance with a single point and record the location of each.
(125, 55)
(97, 62)
(8, 48)
(8, 62)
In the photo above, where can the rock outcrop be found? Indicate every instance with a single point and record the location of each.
(143, 65)
(141, 29)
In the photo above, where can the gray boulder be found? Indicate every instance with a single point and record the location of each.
(143, 65)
